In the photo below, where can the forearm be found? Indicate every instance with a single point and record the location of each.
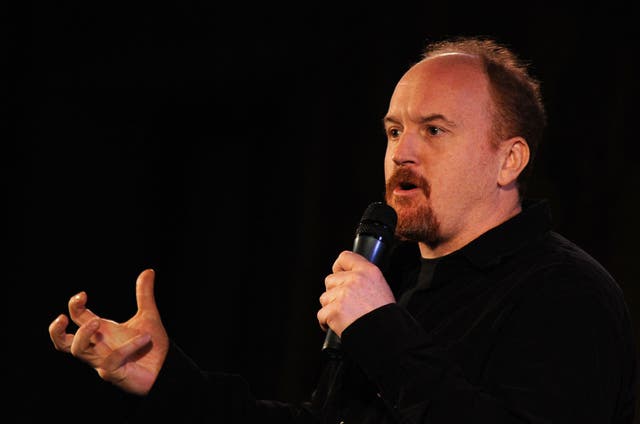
(417, 380)
(185, 392)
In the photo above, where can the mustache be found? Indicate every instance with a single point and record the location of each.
(405, 177)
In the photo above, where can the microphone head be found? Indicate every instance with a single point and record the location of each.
(379, 220)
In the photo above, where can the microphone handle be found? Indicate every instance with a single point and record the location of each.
(373, 249)
(332, 345)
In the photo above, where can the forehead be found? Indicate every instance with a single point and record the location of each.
(454, 69)
(448, 84)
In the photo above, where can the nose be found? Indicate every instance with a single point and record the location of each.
(404, 149)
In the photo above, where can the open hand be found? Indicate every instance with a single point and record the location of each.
(128, 354)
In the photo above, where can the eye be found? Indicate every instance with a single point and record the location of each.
(433, 130)
(393, 132)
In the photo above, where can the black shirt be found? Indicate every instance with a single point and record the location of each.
(425, 276)
(520, 325)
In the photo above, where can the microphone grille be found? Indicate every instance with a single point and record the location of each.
(378, 220)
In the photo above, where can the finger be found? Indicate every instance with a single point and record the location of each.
(57, 332)
(324, 299)
(338, 263)
(334, 280)
(145, 297)
(322, 319)
(325, 315)
(82, 339)
(348, 261)
(120, 355)
(78, 309)
(327, 297)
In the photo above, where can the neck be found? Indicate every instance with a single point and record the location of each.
(490, 219)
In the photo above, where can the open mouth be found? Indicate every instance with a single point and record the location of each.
(407, 186)
(406, 183)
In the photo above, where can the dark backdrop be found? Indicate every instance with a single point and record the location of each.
(234, 149)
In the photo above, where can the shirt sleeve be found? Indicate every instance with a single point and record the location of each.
(557, 358)
(185, 393)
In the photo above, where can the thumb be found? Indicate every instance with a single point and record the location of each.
(144, 292)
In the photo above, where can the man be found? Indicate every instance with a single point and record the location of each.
(485, 314)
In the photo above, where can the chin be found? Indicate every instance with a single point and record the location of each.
(407, 205)
(416, 221)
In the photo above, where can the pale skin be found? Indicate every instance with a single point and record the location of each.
(129, 354)
(437, 126)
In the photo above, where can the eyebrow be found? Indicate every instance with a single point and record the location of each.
(424, 120)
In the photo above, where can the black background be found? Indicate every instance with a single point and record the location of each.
(234, 148)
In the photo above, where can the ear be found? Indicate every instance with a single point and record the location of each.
(514, 159)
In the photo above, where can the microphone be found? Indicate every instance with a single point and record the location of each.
(374, 237)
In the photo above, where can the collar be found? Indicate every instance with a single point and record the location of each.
(532, 222)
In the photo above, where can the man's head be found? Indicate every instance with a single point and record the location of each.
(463, 125)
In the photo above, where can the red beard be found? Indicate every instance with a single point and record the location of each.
(416, 219)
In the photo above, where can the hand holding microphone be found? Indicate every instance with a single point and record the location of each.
(357, 285)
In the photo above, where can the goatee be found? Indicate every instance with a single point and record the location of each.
(416, 219)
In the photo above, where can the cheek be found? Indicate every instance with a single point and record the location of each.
(448, 171)
(471, 177)
(388, 165)
(453, 179)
